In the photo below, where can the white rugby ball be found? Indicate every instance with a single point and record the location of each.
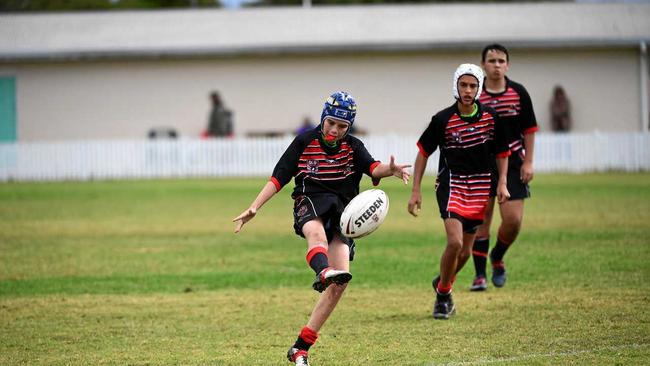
(364, 213)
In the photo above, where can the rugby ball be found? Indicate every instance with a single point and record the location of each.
(364, 213)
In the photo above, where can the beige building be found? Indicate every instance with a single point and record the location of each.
(115, 75)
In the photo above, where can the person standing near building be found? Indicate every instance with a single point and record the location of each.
(469, 136)
(327, 163)
(220, 122)
(515, 109)
(560, 109)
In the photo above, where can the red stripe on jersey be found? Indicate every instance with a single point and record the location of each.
(531, 130)
(276, 183)
(504, 154)
(461, 134)
(323, 156)
(422, 151)
(506, 104)
(316, 177)
(373, 166)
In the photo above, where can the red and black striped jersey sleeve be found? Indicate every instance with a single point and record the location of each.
(287, 167)
(432, 136)
(362, 158)
(528, 121)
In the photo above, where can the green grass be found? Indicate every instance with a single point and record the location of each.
(149, 272)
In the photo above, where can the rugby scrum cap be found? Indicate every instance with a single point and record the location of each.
(339, 106)
(468, 69)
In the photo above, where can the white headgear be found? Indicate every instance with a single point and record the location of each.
(468, 69)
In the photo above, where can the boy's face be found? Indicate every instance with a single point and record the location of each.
(467, 89)
(334, 129)
(495, 64)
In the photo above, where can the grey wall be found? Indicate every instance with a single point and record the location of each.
(396, 93)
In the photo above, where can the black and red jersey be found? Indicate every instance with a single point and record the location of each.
(467, 149)
(319, 168)
(515, 110)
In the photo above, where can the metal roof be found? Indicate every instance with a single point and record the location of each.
(187, 33)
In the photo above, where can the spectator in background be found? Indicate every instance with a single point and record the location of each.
(305, 126)
(560, 110)
(220, 123)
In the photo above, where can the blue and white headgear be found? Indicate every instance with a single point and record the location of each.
(339, 106)
(468, 69)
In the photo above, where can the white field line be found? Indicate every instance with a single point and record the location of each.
(484, 361)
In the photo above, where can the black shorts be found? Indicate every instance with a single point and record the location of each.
(329, 208)
(518, 189)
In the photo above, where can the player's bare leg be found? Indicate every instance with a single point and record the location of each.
(512, 213)
(443, 308)
(339, 260)
(466, 251)
(339, 254)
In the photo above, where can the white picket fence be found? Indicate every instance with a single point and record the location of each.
(101, 160)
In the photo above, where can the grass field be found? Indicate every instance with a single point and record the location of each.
(149, 273)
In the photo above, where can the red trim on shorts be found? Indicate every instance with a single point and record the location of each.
(276, 183)
(531, 130)
(308, 335)
(422, 151)
(314, 251)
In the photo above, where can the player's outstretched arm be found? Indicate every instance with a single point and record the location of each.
(265, 194)
(397, 170)
(415, 202)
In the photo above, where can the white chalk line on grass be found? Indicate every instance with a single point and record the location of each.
(483, 361)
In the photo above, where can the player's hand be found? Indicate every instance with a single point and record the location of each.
(399, 170)
(415, 203)
(502, 193)
(526, 172)
(245, 217)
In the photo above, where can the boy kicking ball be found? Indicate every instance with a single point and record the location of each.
(327, 164)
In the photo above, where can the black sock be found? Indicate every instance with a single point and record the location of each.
(499, 251)
(317, 259)
(301, 344)
(480, 253)
(319, 262)
(306, 339)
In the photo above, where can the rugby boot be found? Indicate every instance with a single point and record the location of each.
(298, 357)
(498, 274)
(329, 276)
(479, 284)
(444, 307)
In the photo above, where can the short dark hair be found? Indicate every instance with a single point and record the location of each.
(495, 47)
